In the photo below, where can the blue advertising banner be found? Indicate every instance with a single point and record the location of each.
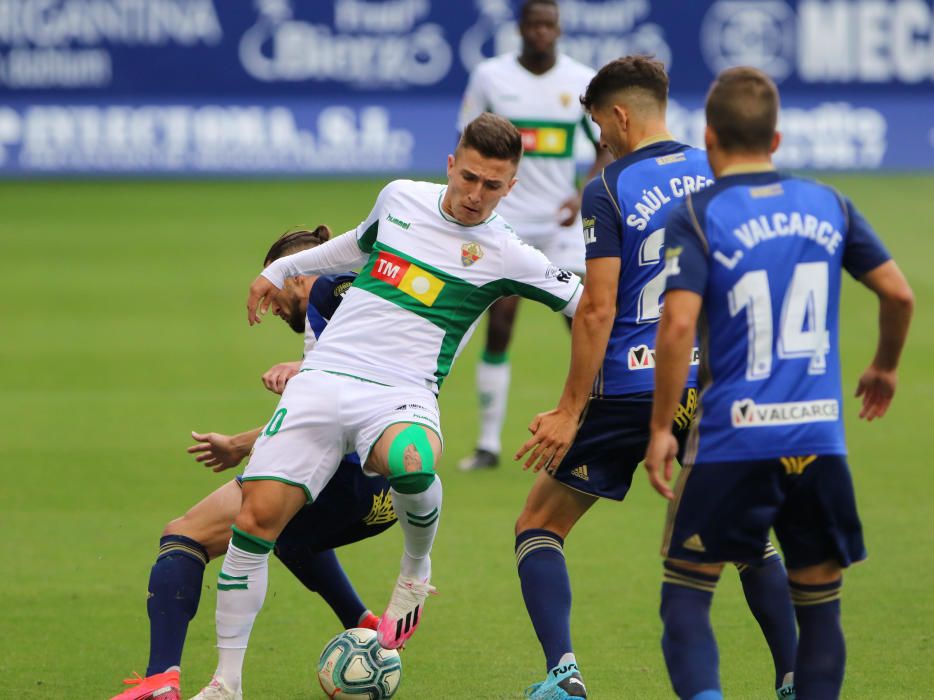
(392, 136)
(278, 86)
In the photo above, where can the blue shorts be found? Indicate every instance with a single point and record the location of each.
(611, 443)
(351, 507)
(723, 511)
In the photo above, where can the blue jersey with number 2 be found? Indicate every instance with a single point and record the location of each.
(624, 213)
(766, 250)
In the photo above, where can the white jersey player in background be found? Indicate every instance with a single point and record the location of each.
(434, 258)
(538, 90)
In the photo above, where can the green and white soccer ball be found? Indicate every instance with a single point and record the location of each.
(354, 665)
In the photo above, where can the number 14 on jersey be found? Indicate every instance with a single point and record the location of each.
(802, 331)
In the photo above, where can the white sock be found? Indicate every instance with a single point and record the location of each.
(237, 608)
(419, 514)
(493, 390)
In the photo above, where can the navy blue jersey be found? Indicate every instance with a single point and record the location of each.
(324, 298)
(766, 251)
(624, 214)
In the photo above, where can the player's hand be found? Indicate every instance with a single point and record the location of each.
(877, 387)
(569, 209)
(260, 298)
(552, 435)
(659, 458)
(277, 376)
(216, 451)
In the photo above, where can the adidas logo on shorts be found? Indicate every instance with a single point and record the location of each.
(581, 473)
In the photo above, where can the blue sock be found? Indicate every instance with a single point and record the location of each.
(766, 589)
(821, 648)
(546, 589)
(174, 593)
(322, 573)
(688, 643)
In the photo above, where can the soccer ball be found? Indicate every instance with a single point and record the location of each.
(354, 665)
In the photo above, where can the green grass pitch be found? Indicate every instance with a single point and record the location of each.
(125, 328)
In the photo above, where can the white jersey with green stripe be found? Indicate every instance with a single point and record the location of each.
(426, 282)
(547, 111)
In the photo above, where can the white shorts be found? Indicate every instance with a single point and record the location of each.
(562, 245)
(322, 416)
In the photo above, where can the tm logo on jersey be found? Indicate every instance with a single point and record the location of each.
(643, 357)
(546, 139)
(407, 277)
(749, 414)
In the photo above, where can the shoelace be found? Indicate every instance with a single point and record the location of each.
(133, 681)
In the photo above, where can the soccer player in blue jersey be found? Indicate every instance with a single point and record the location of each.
(352, 507)
(757, 260)
(591, 444)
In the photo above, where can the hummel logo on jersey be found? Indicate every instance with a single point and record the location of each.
(412, 406)
(398, 222)
(749, 414)
(581, 472)
(694, 543)
(643, 357)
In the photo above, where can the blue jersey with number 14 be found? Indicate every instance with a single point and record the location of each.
(624, 213)
(766, 250)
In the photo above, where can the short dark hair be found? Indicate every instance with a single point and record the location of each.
(296, 240)
(629, 72)
(493, 136)
(529, 4)
(742, 109)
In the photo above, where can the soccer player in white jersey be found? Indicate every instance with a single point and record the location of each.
(434, 258)
(537, 89)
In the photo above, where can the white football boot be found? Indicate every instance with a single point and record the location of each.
(404, 612)
(218, 690)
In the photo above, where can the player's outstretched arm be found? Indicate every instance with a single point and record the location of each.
(276, 377)
(341, 254)
(676, 332)
(220, 451)
(554, 431)
(877, 384)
